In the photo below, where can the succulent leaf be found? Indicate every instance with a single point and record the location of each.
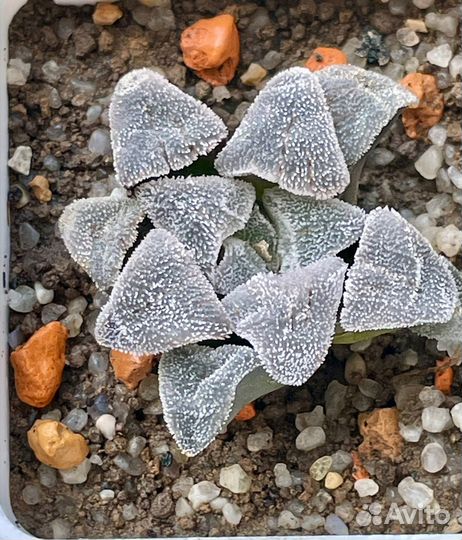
(308, 229)
(201, 211)
(260, 234)
(98, 232)
(155, 127)
(288, 137)
(197, 387)
(397, 280)
(289, 318)
(362, 103)
(239, 263)
(160, 301)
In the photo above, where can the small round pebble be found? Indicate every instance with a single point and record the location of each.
(76, 420)
(366, 487)
(433, 457)
(31, 494)
(232, 513)
(282, 476)
(235, 479)
(335, 525)
(262, 440)
(313, 521)
(310, 438)
(22, 299)
(415, 494)
(106, 424)
(77, 475)
(333, 480)
(44, 296)
(320, 468)
(106, 494)
(202, 493)
(456, 414)
(436, 419)
(287, 520)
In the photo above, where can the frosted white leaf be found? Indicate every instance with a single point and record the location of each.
(362, 103)
(397, 280)
(201, 211)
(309, 229)
(155, 127)
(197, 387)
(289, 318)
(98, 232)
(288, 137)
(239, 263)
(448, 335)
(260, 234)
(160, 301)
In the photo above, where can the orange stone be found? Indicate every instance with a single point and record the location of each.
(41, 188)
(39, 364)
(211, 48)
(380, 430)
(130, 368)
(246, 413)
(325, 56)
(418, 119)
(359, 471)
(106, 14)
(56, 445)
(444, 375)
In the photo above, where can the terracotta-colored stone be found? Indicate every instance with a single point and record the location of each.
(131, 369)
(211, 48)
(39, 364)
(41, 188)
(246, 413)
(106, 14)
(359, 471)
(325, 56)
(444, 375)
(418, 119)
(56, 445)
(380, 430)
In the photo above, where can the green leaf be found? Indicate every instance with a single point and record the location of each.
(347, 338)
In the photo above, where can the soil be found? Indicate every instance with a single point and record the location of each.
(99, 57)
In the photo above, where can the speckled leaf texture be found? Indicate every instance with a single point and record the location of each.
(308, 229)
(239, 263)
(201, 211)
(260, 234)
(448, 335)
(288, 137)
(289, 318)
(156, 128)
(397, 280)
(160, 301)
(197, 388)
(362, 103)
(98, 232)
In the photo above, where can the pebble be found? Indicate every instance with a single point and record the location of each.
(436, 419)
(447, 24)
(415, 494)
(149, 388)
(44, 296)
(129, 512)
(428, 164)
(202, 493)
(106, 424)
(407, 37)
(76, 419)
(433, 457)
(162, 505)
(32, 495)
(335, 525)
(28, 236)
(76, 475)
(100, 142)
(262, 440)
(440, 205)
(321, 500)
(235, 479)
(107, 495)
(98, 362)
(21, 160)
(320, 468)
(456, 414)
(17, 72)
(282, 476)
(131, 465)
(437, 135)
(60, 528)
(366, 487)
(136, 445)
(77, 305)
(183, 508)
(345, 511)
(311, 522)
(418, 25)
(217, 504)
(315, 417)
(430, 396)
(410, 432)
(455, 176)
(449, 240)
(106, 14)
(182, 486)
(220, 93)
(73, 322)
(370, 388)
(380, 157)
(341, 460)
(22, 299)
(455, 66)
(93, 113)
(310, 438)
(335, 397)
(51, 164)
(52, 72)
(51, 312)
(423, 4)
(46, 476)
(440, 56)
(271, 60)
(333, 480)
(254, 75)
(232, 513)
(287, 520)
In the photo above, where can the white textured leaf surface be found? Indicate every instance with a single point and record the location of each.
(362, 103)
(448, 335)
(308, 229)
(160, 301)
(98, 232)
(288, 137)
(201, 211)
(289, 318)
(155, 127)
(397, 280)
(239, 263)
(197, 387)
